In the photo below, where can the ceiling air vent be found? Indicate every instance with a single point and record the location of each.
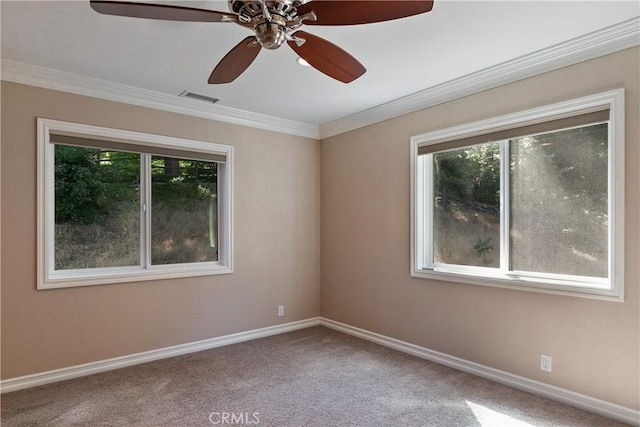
(205, 98)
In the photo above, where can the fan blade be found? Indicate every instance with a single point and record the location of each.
(160, 11)
(327, 58)
(362, 12)
(236, 61)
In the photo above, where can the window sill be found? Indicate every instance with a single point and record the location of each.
(93, 277)
(532, 284)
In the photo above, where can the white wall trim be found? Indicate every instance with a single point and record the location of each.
(48, 78)
(34, 380)
(599, 43)
(535, 387)
(589, 46)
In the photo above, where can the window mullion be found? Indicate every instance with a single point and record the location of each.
(145, 210)
(505, 208)
(428, 182)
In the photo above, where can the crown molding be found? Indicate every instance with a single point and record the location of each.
(602, 42)
(48, 78)
(598, 43)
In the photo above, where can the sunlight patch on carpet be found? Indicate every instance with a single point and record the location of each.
(490, 418)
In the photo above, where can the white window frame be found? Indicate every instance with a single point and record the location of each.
(49, 278)
(422, 266)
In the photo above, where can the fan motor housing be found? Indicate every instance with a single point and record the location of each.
(247, 9)
(270, 28)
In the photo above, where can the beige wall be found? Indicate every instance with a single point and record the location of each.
(365, 250)
(277, 244)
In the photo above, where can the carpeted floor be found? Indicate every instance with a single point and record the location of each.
(310, 377)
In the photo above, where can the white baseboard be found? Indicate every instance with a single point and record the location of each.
(535, 387)
(34, 380)
(558, 394)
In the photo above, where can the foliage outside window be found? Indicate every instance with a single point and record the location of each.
(120, 206)
(532, 200)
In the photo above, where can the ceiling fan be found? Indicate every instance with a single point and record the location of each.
(276, 22)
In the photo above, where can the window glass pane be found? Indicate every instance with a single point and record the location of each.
(97, 208)
(559, 202)
(184, 213)
(466, 212)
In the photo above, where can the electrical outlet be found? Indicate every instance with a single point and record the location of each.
(545, 363)
(281, 310)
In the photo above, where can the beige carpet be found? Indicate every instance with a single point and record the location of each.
(311, 377)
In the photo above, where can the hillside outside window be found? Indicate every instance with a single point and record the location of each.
(532, 200)
(121, 206)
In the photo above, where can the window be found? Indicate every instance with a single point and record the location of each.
(119, 206)
(532, 200)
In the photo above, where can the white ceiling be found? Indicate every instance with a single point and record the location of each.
(402, 57)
